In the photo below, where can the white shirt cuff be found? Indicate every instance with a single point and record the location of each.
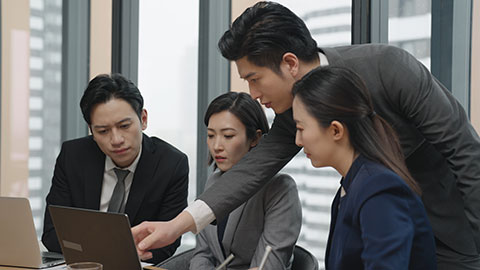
(202, 214)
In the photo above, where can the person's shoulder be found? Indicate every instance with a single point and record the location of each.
(280, 183)
(374, 178)
(386, 52)
(79, 141)
(372, 47)
(373, 171)
(389, 52)
(280, 190)
(80, 144)
(362, 58)
(79, 150)
(283, 179)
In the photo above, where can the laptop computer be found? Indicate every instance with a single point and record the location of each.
(18, 240)
(89, 235)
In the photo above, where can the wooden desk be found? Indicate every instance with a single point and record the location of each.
(57, 267)
(64, 267)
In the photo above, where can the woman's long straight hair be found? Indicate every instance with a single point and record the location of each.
(334, 93)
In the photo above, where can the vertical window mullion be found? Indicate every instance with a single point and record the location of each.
(213, 72)
(75, 52)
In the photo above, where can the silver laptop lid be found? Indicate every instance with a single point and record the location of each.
(18, 244)
(89, 235)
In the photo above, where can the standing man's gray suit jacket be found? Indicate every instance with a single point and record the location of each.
(273, 216)
(441, 147)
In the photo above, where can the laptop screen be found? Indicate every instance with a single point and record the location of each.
(18, 239)
(89, 235)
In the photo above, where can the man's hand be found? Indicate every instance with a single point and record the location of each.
(151, 235)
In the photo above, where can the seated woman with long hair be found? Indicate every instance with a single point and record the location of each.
(235, 123)
(378, 220)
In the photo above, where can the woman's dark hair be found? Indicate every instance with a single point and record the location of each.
(104, 87)
(246, 109)
(334, 93)
(264, 33)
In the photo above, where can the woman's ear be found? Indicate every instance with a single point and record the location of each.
(337, 130)
(256, 139)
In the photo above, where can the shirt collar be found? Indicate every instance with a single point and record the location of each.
(110, 165)
(323, 59)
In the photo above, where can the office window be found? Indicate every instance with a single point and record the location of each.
(475, 68)
(31, 96)
(329, 22)
(409, 27)
(167, 78)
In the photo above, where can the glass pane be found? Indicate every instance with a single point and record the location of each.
(167, 78)
(31, 96)
(475, 69)
(409, 27)
(329, 23)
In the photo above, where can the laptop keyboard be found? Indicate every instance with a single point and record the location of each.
(48, 259)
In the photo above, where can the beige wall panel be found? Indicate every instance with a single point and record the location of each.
(475, 73)
(15, 98)
(100, 37)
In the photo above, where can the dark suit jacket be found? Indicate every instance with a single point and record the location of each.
(441, 146)
(158, 192)
(379, 223)
(272, 217)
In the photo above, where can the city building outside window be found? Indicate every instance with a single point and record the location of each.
(31, 99)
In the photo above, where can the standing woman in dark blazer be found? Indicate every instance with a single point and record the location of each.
(378, 220)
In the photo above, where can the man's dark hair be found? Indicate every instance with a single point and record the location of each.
(264, 33)
(104, 87)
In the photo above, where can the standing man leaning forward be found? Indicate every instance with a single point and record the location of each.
(272, 49)
(118, 168)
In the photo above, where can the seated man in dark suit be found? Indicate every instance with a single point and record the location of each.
(118, 168)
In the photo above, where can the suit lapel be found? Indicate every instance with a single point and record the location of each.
(232, 224)
(333, 220)
(212, 241)
(144, 172)
(231, 228)
(93, 176)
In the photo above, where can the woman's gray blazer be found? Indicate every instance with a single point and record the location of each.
(273, 216)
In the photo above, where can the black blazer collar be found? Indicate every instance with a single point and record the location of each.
(142, 178)
(94, 171)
